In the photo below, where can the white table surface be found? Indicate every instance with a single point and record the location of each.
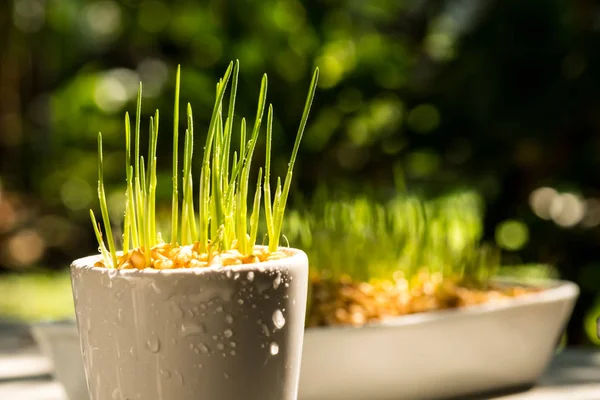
(26, 375)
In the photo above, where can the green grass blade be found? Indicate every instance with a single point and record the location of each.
(229, 122)
(152, 179)
(255, 212)
(128, 205)
(102, 247)
(204, 197)
(245, 175)
(191, 223)
(103, 206)
(137, 131)
(267, 184)
(175, 197)
(274, 240)
(280, 210)
(135, 242)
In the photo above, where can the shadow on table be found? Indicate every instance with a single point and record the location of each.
(575, 367)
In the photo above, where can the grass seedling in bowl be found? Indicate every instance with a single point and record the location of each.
(204, 313)
(217, 228)
(372, 260)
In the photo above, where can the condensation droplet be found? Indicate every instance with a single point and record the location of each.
(192, 329)
(229, 319)
(228, 333)
(204, 348)
(277, 281)
(240, 301)
(179, 377)
(265, 329)
(236, 275)
(220, 309)
(153, 344)
(220, 346)
(232, 352)
(232, 344)
(278, 319)
(155, 288)
(274, 347)
(250, 276)
(166, 373)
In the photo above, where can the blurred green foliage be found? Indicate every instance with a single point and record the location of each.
(365, 239)
(498, 96)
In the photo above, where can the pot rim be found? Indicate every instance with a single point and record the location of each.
(296, 257)
(553, 291)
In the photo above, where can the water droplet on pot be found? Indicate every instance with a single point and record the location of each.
(240, 301)
(166, 373)
(274, 348)
(229, 319)
(226, 375)
(265, 329)
(153, 344)
(192, 329)
(155, 288)
(220, 346)
(215, 337)
(233, 353)
(179, 377)
(278, 319)
(228, 333)
(236, 275)
(220, 309)
(112, 272)
(204, 348)
(232, 344)
(277, 281)
(250, 276)
(120, 316)
(228, 273)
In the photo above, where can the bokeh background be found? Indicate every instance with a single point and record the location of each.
(496, 96)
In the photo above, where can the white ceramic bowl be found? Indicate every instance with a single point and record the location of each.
(441, 354)
(59, 341)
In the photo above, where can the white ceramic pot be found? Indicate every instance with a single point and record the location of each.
(59, 341)
(222, 333)
(441, 354)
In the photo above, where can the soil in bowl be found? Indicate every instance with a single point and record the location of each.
(344, 301)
